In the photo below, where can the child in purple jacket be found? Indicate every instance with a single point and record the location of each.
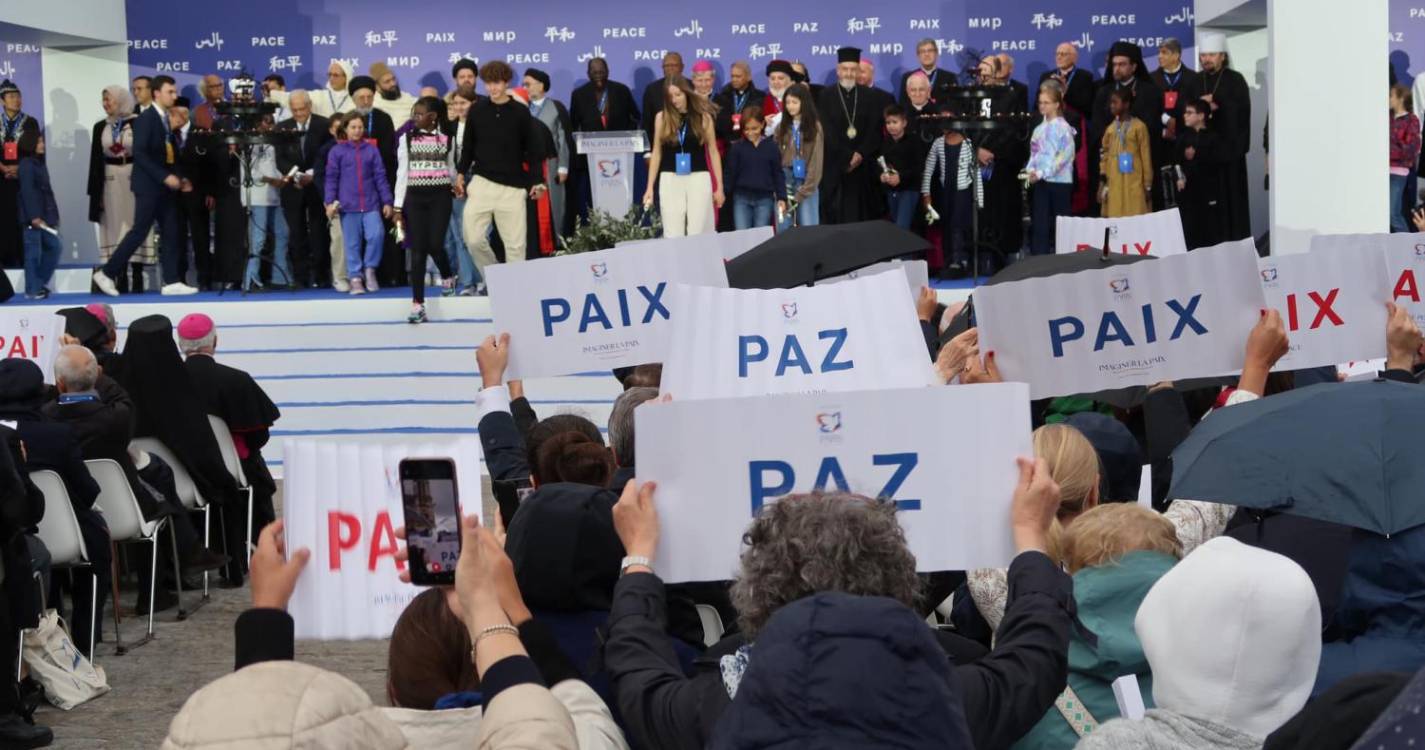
(357, 188)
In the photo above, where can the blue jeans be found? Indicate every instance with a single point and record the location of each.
(1397, 199)
(363, 234)
(41, 258)
(808, 213)
(455, 247)
(1051, 200)
(902, 205)
(752, 210)
(262, 217)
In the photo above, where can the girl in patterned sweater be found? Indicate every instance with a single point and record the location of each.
(425, 191)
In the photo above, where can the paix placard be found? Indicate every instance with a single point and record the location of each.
(1184, 316)
(1404, 262)
(594, 311)
(1332, 302)
(855, 335)
(1158, 234)
(343, 502)
(27, 333)
(717, 462)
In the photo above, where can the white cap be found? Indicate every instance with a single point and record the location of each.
(1211, 42)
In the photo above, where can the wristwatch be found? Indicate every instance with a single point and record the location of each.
(633, 560)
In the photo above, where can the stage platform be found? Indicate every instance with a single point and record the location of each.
(351, 368)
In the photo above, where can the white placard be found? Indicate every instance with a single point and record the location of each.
(857, 335)
(917, 274)
(33, 334)
(729, 244)
(594, 311)
(1332, 302)
(716, 462)
(1404, 262)
(1185, 316)
(1159, 233)
(343, 502)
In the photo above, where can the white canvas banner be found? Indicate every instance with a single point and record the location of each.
(343, 502)
(594, 311)
(857, 335)
(1332, 302)
(729, 244)
(33, 334)
(917, 274)
(1184, 316)
(1404, 262)
(717, 462)
(1159, 233)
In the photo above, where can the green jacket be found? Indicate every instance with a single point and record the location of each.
(1108, 597)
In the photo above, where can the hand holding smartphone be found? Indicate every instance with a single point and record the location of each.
(431, 504)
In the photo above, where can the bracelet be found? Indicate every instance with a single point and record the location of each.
(491, 630)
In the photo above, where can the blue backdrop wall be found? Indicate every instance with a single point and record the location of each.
(298, 38)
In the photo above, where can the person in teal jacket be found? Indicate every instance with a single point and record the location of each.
(1116, 552)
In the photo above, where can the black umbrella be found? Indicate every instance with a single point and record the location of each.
(802, 255)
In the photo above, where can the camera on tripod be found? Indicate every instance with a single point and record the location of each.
(239, 121)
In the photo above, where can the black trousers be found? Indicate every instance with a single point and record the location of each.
(307, 235)
(96, 542)
(12, 249)
(194, 226)
(150, 208)
(427, 215)
(230, 252)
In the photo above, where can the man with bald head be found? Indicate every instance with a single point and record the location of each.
(917, 95)
(653, 95)
(732, 99)
(301, 197)
(1005, 77)
(1077, 83)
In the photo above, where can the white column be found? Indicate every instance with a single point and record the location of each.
(1330, 145)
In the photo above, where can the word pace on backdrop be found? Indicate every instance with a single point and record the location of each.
(420, 41)
(1184, 316)
(343, 502)
(952, 487)
(595, 311)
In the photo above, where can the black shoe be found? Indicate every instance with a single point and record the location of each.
(16, 733)
(202, 561)
(163, 600)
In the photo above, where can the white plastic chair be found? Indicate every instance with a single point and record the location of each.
(233, 464)
(127, 525)
(188, 495)
(712, 624)
(59, 530)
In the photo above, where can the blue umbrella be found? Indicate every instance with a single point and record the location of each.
(1348, 453)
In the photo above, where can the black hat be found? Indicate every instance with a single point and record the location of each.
(81, 324)
(781, 66)
(540, 76)
(848, 54)
(1130, 51)
(183, 102)
(465, 63)
(21, 382)
(8, 87)
(361, 82)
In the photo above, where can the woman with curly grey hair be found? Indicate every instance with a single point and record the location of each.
(808, 545)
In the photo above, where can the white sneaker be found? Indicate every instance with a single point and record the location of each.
(177, 288)
(105, 284)
(341, 285)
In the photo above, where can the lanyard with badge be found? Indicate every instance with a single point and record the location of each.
(799, 165)
(1125, 157)
(603, 106)
(116, 133)
(14, 127)
(1170, 97)
(737, 101)
(370, 116)
(683, 161)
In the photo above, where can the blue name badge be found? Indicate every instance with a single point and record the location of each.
(1125, 163)
(799, 169)
(683, 164)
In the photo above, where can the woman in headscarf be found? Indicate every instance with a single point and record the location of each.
(334, 98)
(111, 202)
(167, 406)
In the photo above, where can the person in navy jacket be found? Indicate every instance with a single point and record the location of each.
(155, 184)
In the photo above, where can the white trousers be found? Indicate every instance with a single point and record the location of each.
(685, 203)
(488, 201)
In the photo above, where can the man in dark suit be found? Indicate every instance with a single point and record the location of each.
(927, 51)
(301, 198)
(379, 127)
(1174, 79)
(852, 132)
(598, 106)
(155, 184)
(21, 507)
(730, 101)
(1077, 83)
(51, 445)
(13, 124)
(197, 171)
(653, 95)
(1006, 78)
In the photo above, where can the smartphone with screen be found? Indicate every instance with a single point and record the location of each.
(431, 504)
